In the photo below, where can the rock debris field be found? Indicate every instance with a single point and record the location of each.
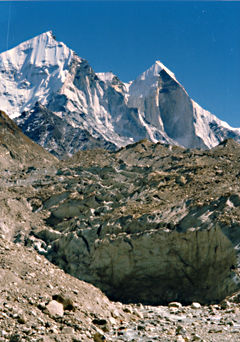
(149, 223)
(141, 244)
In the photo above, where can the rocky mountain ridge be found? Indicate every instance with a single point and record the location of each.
(17, 150)
(97, 109)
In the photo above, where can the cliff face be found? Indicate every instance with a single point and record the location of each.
(158, 267)
(152, 266)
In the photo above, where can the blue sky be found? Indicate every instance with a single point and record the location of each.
(198, 41)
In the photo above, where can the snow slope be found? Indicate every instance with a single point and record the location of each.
(154, 106)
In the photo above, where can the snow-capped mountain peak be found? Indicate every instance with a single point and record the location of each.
(149, 79)
(161, 66)
(98, 109)
(41, 50)
(151, 75)
(32, 72)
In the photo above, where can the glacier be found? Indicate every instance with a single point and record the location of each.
(60, 102)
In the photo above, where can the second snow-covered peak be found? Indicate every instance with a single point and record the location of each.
(148, 80)
(153, 72)
(161, 66)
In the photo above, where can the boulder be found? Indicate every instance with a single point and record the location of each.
(55, 308)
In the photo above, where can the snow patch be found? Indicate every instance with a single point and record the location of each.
(105, 76)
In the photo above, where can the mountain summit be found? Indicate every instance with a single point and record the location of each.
(97, 109)
(33, 71)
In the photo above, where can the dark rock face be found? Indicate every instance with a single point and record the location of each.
(158, 267)
(176, 110)
(57, 136)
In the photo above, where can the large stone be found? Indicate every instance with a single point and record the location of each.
(55, 308)
(196, 305)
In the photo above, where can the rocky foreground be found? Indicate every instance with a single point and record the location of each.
(40, 302)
